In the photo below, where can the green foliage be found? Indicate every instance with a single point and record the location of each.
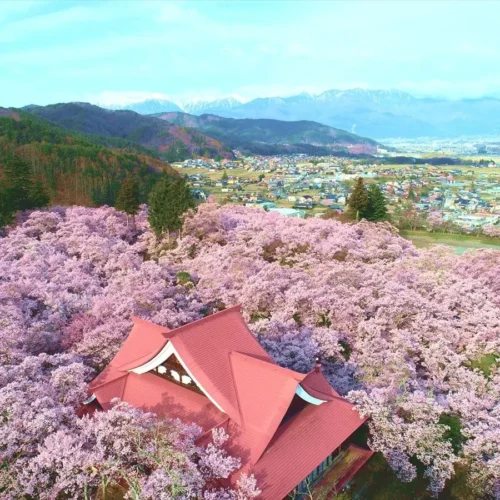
(454, 432)
(183, 278)
(169, 199)
(18, 182)
(347, 349)
(74, 167)
(177, 152)
(377, 208)
(486, 364)
(128, 197)
(225, 176)
(38, 195)
(358, 200)
(20, 190)
(6, 212)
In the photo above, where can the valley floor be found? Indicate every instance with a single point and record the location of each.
(459, 242)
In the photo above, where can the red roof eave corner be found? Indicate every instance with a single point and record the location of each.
(303, 443)
(145, 339)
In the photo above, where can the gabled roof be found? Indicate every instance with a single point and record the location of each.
(248, 394)
(205, 346)
(265, 391)
(144, 341)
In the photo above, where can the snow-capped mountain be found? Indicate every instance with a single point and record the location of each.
(372, 113)
(201, 107)
(150, 106)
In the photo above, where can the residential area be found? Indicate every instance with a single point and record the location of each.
(465, 196)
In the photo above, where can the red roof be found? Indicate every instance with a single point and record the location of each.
(253, 391)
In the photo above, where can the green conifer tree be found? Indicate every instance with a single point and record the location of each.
(358, 201)
(6, 210)
(224, 176)
(128, 199)
(377, 208)
(38, 195)
(168, 200)
(22, 192)
(19, 183)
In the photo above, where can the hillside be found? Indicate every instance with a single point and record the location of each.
(264, 136)
(372, 113)
(172, 142)
(76, 168)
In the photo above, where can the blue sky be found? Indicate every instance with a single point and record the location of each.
(119, 51)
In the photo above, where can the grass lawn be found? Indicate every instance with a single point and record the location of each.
(459, 242)
(376, 481)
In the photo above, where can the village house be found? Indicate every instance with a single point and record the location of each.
(291, 430)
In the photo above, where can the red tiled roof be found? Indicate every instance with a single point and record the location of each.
(301, 444)
(205, 345)
(167, 399)
(254, 392)
(144, 341)
(318, 387)
(264, 392)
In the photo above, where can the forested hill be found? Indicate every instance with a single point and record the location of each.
(76, 168)
(263, 136)
(172, 142)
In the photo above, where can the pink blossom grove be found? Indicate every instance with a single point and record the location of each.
(411, 336)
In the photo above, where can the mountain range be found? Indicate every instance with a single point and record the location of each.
(174, 143)
(176, 136)
(372, 113)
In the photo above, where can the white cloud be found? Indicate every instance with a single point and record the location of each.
(45, 22)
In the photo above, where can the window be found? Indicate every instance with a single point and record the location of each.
(173, 371)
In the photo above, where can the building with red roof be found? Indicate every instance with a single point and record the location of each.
(291, 430)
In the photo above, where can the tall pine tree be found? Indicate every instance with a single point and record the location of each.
(358, 201)
(19, 183)
(22, 192)
(168, 200)
(128, 199)
(377, 209)
(6, 211)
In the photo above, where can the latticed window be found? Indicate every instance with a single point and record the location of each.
(172, 370)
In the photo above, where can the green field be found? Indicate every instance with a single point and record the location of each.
(459, 242)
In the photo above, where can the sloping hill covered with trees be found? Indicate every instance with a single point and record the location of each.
(76, 168)
(264, 136)
(174, 143)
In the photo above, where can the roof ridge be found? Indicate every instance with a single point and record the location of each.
(272, 365)
(242, 420)
(136, 319)
(205, 318)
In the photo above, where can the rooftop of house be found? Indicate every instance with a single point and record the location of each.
(274, 415)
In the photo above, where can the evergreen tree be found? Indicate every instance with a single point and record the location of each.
(6, 211)
(128, 199)
(358, 201)
(22, 193)
(169, 199)
(38, 195)
(224, 176)
(377, 209)
(19, 183)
